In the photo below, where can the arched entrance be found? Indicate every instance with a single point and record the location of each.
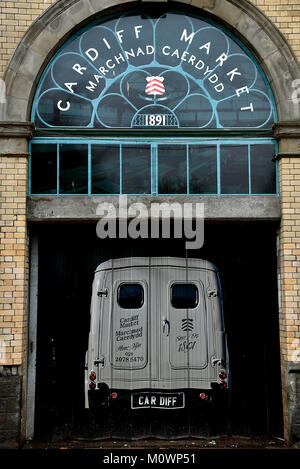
(250, 27)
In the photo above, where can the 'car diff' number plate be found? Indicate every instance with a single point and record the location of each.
(144, 400)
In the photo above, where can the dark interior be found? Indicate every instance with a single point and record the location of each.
(245, 254)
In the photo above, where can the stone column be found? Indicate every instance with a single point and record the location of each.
(288, 136)
(13, 276)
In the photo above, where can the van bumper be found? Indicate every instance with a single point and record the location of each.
(120, 398)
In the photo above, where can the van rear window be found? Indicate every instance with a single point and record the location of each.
(184, 295)
(131, 295)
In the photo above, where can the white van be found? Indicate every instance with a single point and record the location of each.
(157, 336)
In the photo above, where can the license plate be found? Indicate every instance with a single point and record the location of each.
(154, 400)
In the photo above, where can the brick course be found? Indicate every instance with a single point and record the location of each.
(289, 180)
(13, 259)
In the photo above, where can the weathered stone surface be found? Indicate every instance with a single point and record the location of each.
(8, 404)
(85, 208)
(276, 64)
(247, 27)
(45, 42)
(9, 439)
(209, 4)
(225, 11)
(263, 44)
(293, 390)
(17, 109)
(10, 392)
(16, 129)
(104, 4)
(14, 137)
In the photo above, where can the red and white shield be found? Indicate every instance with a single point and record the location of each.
(155, 85)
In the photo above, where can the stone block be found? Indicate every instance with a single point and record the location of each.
(247, 27)
(17, 109)
(9, 439)
(10, 392)
(8, 404)
(208, 4)
(225, 11)
(263, 44)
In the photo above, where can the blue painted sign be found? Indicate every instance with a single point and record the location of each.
(134, 71)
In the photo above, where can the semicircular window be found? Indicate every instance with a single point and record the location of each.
(137, 71)
(140, 71)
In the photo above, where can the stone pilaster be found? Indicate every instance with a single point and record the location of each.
(13, 261)
(288, 135)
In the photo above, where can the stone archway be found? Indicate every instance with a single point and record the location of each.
(63, 18)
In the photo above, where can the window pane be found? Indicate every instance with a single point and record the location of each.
(263, 169)
(256, 111)
(184, 295)
(131, 296)
(73, 162)
(195, 111)
(136, 169)
(105, 169)
(172, 169)
(78, 114)
(203, 169)
(115, 111)
(43, 169)
(234, 169)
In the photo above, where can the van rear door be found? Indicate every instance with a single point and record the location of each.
(125, 342)
(184, 358)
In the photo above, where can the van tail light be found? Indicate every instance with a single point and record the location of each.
(92, 377)
(202, 395)
(223, 378)
(114, 395)
(92, 385)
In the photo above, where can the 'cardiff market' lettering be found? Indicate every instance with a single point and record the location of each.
(93, 54)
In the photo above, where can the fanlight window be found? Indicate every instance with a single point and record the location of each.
(174, 72)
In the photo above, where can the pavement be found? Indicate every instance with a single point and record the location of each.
(155, 444)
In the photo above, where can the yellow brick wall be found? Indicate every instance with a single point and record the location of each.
(289, 180)
(13, 259)
(17, 16)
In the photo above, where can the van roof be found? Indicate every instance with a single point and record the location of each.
(128, 262)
